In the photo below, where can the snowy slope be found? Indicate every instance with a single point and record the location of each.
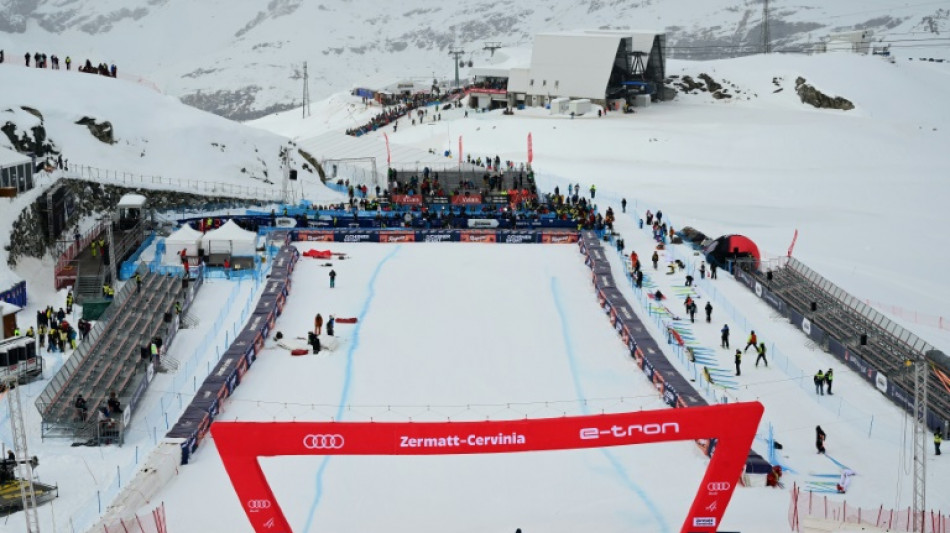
(154, 134)
(864, 187)
(244, 58)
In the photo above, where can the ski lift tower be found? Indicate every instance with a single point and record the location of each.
(492, 45)
(18, 429)
(456, 52)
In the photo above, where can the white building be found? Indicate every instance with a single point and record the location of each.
(16, 172)
(599, 65)
(858, 41)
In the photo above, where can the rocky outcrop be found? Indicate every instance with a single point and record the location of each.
(99, 130)
(815, 98)
(33, 140)
(706, 83)
(28, 237)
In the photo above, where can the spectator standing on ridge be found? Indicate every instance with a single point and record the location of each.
(829, 378)
(938, 438)
(623, 205)
(318, 324)
(725, 335)
(712, 270)
(708, 312)
(819, 383)
(820, 439)
(738, 362)
(656, 259)
(659, 217)
(330, 323)
(702, 270)
(27, 57)
(593, 191)
(332, 278)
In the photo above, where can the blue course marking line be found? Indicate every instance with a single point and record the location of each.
(579, 391)
(347, 380)
(835, 461)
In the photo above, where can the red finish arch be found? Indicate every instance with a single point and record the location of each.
(734, 425)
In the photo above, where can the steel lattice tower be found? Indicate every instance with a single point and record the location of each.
(22, 456)
(306, 91)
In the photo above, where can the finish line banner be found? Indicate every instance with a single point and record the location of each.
(240, 444)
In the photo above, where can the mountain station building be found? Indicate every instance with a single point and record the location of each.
(611, 68)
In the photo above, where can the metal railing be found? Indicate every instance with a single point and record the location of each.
(194, 186)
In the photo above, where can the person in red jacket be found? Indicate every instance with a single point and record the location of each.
(752, 342)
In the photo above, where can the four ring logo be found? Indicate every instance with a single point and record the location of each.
(258, 505)
(323, 442)
(716, 486)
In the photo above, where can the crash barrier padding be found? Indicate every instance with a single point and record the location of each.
(226, 375)
(15, 295)
(472, 235)
(644, 349)
(369, 220)
(128, 267)
(895, 393)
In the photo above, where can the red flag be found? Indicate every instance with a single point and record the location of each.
(460, 149)
(795, 238)
(530, 149)
(389, 156)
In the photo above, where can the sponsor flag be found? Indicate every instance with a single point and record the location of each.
(792, 246)
(530, 149)
(389, 156)
(460, 150)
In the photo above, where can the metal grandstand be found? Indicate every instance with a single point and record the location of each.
(861, 330)
(110, 359)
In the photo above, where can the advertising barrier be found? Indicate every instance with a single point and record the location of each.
(194, 423)
(240, 444)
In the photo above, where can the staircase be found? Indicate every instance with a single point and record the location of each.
(88, 286)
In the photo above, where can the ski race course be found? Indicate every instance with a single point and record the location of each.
(486, 332)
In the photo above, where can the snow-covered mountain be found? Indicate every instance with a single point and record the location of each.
(127, 128)
(243, 59)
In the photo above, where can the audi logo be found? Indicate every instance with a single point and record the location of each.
(258, 505)
(323, 442)
(718, 485)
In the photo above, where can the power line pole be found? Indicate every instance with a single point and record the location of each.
(456, 52)
(766, 33)
(306, 91)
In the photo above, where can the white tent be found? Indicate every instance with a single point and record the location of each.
(186, 237)
(230, 239)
